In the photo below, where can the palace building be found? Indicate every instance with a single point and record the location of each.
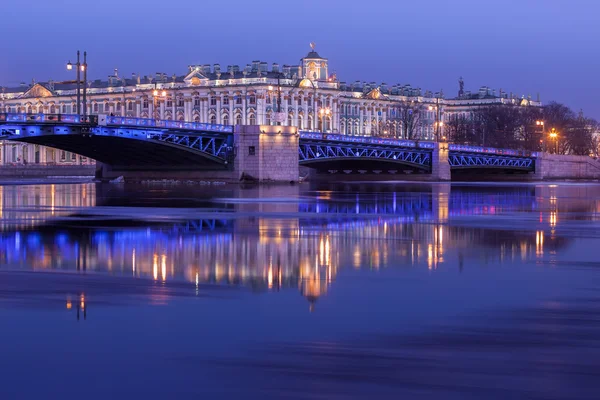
(307, 95)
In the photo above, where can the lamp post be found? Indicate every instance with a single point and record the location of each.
(438, 123)
(540, 125)
(81, 67)
(554, 136)
(78, 81)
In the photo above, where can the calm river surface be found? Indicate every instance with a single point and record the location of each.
(348, 291)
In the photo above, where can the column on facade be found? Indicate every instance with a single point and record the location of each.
(295, 110)
(245, 108)
(361, 112)
(187, 109)
(335, 116)
(138, 108)
(219, 102)
(205, 109)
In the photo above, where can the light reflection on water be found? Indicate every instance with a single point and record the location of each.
(300, 241)
(377, 261)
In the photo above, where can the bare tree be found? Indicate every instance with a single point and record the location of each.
(460, 130)
(531, 137)
(579, 137)
(498, 125)
(409, 114)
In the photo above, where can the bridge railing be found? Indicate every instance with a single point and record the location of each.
(112, 120)
(491, 150)
(161, 123)
(55, 118)
(366, 140)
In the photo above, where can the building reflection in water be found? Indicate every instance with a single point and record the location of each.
(329, 233)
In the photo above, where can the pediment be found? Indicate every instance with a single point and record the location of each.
(375, 94)
(195, 78)
(37, 90)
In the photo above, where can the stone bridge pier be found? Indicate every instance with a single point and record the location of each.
(553, 166)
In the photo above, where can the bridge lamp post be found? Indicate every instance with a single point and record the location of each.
(81, 67)
(540, 125)
(438, 123)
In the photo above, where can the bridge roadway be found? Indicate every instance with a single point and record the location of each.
(148, 142)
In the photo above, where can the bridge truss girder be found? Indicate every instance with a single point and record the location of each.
(218, 147)
(318, 152)
(462, 160)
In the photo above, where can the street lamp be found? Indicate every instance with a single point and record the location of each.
(540, 125)
(438, 124)
(554, 135)
(80, 67)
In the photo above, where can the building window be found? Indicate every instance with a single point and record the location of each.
(268, 121)
(238, 99)
(289, 101)
(169, 103)
(268, 99)
(251, 150)
(238, 119)
(96, 107)
(145, 104)
(197, 118)
(64, 108)
(213, 101)
(252, 99)
(180, 103)
(118, 106)
(213, 120)
(309, 102)
(252, 119)
(299, 121)
(299, 101)
(63, 156)
(130, 106)
(290, 120)
(196, 102)
(225, 119)
(225, 100)
(52, 109)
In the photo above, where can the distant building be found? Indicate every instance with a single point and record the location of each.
(308, 96)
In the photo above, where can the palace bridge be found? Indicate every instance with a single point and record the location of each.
(148, 148)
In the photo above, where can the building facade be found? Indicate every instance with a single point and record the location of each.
(306, 95)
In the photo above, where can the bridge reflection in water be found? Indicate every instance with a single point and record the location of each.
(324, 233)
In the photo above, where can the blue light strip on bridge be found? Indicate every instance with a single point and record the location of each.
(366, 140)
(192, 126)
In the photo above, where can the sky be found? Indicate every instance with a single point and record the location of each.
(521, 46)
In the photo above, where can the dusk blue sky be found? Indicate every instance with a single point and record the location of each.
(525, 47)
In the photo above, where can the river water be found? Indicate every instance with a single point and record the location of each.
(316, 291)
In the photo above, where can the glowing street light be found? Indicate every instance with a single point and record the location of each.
(554, 135)
(80, 67)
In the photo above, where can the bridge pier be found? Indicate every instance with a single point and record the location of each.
(553, 166)
(440, 167)
(266, 153)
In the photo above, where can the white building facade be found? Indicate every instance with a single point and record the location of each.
(307, 96)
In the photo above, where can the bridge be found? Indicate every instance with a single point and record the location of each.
(152, 148)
